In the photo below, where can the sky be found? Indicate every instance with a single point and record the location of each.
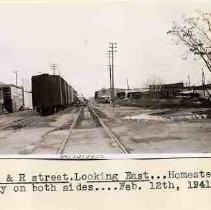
(76, 36)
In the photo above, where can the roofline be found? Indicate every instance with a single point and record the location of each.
(8, 85)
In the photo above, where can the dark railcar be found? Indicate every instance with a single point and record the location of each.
(49, 93)
(70, 95)
(75, 98)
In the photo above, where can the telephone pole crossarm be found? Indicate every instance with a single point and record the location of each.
(54, 66)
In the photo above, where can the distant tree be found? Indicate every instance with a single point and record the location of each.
(195, 34)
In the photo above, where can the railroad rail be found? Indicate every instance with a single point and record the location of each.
(109, 132)
(67, 137)
(95, 116)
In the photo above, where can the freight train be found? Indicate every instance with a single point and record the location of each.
(51, 93)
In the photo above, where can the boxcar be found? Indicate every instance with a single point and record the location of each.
(50, 93)
(12, 97)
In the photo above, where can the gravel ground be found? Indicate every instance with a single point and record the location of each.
(29, 133)
(140, 130)
(161, 130)
(89, 137)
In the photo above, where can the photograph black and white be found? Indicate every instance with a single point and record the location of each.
(105, 77)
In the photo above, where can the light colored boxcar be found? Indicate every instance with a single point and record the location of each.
(13, 97)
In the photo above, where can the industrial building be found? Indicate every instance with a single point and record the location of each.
(135, 93)
(104, 95)
(162, 91)
(165, 91)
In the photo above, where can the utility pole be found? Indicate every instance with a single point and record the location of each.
(128, 85)
(110, 76)
(189, 80)
(23, 91)
(16, 78)
(54, 66)
(112, 48)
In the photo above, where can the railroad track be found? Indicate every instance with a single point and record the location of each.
(100, 123)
